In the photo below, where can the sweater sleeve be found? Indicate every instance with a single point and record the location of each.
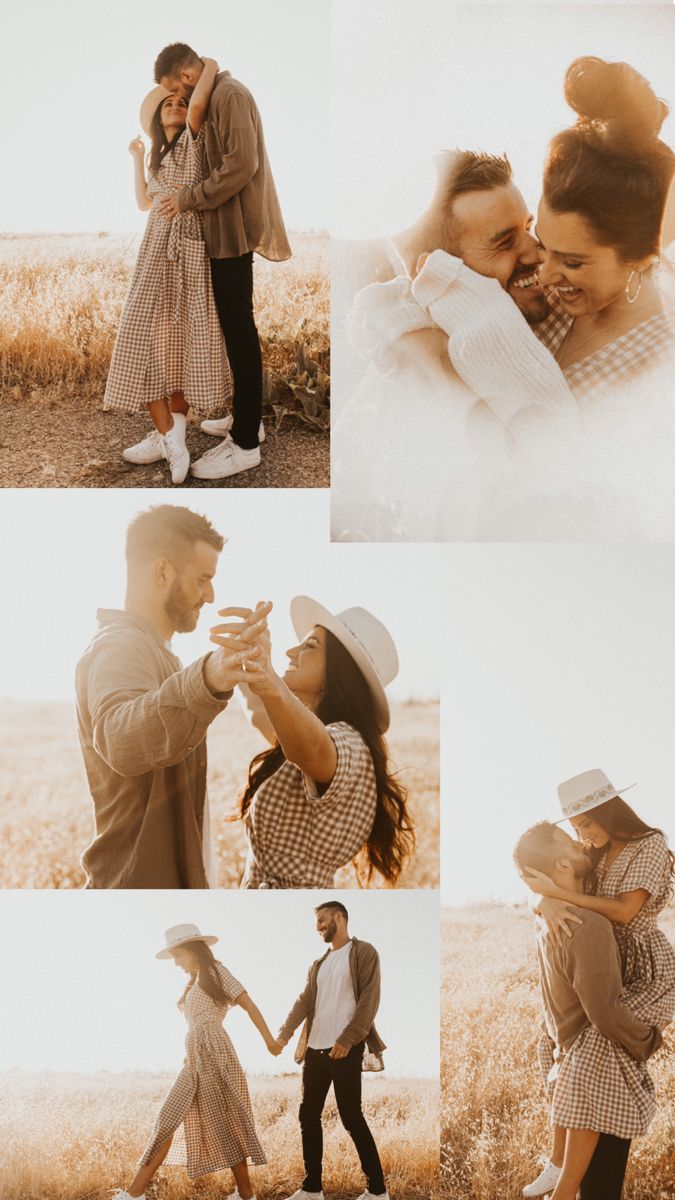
(235, 118)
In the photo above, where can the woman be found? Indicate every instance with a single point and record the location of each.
(170, 353)
(323, 795)
(632, 882)
(210, 1097)
(606, 186)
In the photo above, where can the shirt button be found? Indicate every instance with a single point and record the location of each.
(202, 762)
(189, 749)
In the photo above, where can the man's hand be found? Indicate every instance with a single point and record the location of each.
(251, 630)
(168, 206)
(339, 1051)
(276, 1046)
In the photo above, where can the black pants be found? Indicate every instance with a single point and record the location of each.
(607, 1168)
(319, 1071)
(232, 280)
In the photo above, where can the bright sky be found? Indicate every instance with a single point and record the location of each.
(104, 1002)
(76, 73)
(560, 660)
(66, 550)
(409, 80)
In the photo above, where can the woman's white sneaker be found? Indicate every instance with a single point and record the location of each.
(125, 1196)
(224, 460)
(222, 427)
(545, 1181)
(150, 450)
(175, 450)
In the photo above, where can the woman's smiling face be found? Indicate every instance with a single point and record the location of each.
(589, 277)
(306, 672)
(588, 830)
(173, 111)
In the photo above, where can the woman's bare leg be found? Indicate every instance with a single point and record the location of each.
(178, 403)
(243, 1180)
(580, 1147)
(161, 415)
(145, 1174)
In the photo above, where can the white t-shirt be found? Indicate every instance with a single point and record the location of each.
(335, 999)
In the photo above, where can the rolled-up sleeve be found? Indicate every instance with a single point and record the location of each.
(236, 121)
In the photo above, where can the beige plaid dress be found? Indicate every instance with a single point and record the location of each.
(169, 338)
(210, 1098)
(598, 1076)
(298, 837)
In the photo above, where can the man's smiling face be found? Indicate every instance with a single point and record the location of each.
(494, 239)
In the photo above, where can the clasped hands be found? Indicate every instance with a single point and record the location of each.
(276, 1046)
(244, 650)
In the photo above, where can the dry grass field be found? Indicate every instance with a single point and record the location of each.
(60, 301)
(45, 810)
(76, 1137)
(494, 1119)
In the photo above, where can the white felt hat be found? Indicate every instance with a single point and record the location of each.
(584, 792)
(179, 934)
(150, 105)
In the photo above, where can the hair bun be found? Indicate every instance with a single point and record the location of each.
(616, 100)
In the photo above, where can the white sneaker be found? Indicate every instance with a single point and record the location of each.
(226, 459)
(373, 1196)
(222, 427)
(545, 1181)
(175, 450)
(150, 450)
(123, 1195)
(302, 1195)
(235, 1195)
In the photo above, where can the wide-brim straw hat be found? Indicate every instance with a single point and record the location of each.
(584, 792)
(178, 935)
(150, 105)
(365, 638)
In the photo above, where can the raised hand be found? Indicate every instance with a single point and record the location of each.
(137, 146)
(236, 642)
(252, 630)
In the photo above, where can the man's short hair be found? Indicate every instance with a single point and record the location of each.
(335, 905)
(538, 849)
(468, 171)
(173, 59)
(168, 531)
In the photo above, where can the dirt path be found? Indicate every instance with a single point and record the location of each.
(74, 444)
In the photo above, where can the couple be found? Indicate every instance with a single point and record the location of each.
(187, 336)
(607, 976)
(498, 340)
(322, 795)
(210, 1098)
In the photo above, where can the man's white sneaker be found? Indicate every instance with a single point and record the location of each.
(150, 450)
(545, 1181)
(301, 1195)
(226, 459)
(175, 450)
(374, 1196)
(222, 427)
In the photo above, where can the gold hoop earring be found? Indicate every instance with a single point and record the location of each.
(629, 298)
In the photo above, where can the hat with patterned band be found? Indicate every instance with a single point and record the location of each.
(363, 637)
(150, 105)
(584, 792)
(178, 935)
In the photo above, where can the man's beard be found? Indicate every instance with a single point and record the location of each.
(584, 869)
(182, 615)
(329, 932)
(535, 308)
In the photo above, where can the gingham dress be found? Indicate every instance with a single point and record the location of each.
(621, 361)
(169, 337)
(210, 1097)
(298, 837)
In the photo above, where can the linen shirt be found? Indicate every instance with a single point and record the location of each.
(142, 723)
(238, 198)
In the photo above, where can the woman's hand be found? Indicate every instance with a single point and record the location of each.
(211, 62)
(260, 674)
(274, 1046)
(559, 917)
(137, 147)
(541, 884)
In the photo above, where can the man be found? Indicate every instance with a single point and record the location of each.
(241, 216)
(338, 1007)
(581, 985)
(143, 719)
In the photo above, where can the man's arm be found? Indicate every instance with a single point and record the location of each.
(235, 119)
(138, 727)
(595, 974)
(368, 1002)
(297, 1013)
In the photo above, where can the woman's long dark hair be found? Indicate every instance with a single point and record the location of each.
(611, 167)
(207, 974)
(160, 144)
(347, 697)
(622, 824)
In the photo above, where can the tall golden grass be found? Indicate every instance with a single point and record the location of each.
(46, 812)
(76, 1137)
(494, 1120)
(61, 297)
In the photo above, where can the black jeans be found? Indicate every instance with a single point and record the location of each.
(232, 280)
(319, 1071)
(604, 1177)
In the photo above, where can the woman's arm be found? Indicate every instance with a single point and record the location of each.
(137, 151)
(303, 738)
(244, 1001)
(199, 100)
(620, 909)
